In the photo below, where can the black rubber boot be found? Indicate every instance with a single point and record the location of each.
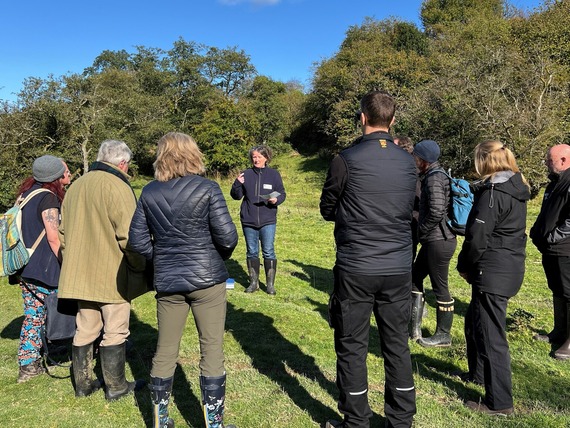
(160, 390)
(442, 336)
(415, 328)
(270, 266)
(563, 353)
(82, 366)
(559, 331)
(253, 271)
(213, 399)
(113, 365)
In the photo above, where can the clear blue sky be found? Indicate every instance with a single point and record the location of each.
(284, 38)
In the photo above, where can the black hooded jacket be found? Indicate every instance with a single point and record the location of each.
(493, 253)
(551, 229)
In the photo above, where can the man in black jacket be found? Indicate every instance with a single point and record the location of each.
(369, 194)
(550, 233)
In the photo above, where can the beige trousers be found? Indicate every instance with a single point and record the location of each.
(112, 318)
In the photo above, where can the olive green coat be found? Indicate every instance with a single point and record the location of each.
(98, 265)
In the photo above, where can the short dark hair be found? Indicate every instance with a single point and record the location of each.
(379, 108)
(405, 142)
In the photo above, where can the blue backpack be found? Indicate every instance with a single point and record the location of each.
(461, 201)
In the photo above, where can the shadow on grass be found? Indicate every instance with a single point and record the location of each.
(12, 329)
(547, 391)
(238, 273)
(275, 356)
(543, 385)
(317, 277)
(445, 373)
(144, 338)
(241, 277)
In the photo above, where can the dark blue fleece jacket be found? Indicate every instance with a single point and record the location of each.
(256, 211)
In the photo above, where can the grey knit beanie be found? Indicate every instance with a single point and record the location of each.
(47, 168)
(427, 150)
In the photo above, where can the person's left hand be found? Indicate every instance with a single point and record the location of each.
(272, 201)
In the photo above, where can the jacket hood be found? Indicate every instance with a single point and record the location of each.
(507, 182)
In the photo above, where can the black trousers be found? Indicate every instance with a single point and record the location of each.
(557, 271)
(433, 260)
(488, 353)
(354, 299)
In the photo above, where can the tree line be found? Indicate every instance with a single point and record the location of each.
(475, 70)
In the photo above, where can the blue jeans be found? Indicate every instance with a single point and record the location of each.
(265, 234)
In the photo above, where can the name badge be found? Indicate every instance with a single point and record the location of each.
(268, 186)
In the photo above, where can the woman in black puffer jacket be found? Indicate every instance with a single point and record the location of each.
(183, 225)
(492, 261)
(438, 245)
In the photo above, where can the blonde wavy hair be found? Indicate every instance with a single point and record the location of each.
(177, 155)
(493, 156)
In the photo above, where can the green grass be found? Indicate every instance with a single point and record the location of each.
(279, 350)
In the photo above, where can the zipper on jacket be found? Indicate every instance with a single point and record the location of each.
(258, 190)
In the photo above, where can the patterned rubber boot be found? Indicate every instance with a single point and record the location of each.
(213, 398)
(160, 390)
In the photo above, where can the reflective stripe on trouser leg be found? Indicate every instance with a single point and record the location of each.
(391, 310)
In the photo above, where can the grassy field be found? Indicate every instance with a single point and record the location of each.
(279, 350)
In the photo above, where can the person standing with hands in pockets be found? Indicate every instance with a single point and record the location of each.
(261, 188)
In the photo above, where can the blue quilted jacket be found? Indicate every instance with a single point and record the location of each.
(184, 226)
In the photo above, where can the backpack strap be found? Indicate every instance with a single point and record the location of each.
(38, 240)
(433, 171)
(21, 202)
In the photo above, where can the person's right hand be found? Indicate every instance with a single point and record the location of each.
(241, 178)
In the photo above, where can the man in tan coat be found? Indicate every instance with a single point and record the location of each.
(98, 267)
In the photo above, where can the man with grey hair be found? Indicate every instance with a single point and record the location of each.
(99, 269)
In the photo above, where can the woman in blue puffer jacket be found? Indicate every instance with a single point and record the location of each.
(182, 224)
(262, 191)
